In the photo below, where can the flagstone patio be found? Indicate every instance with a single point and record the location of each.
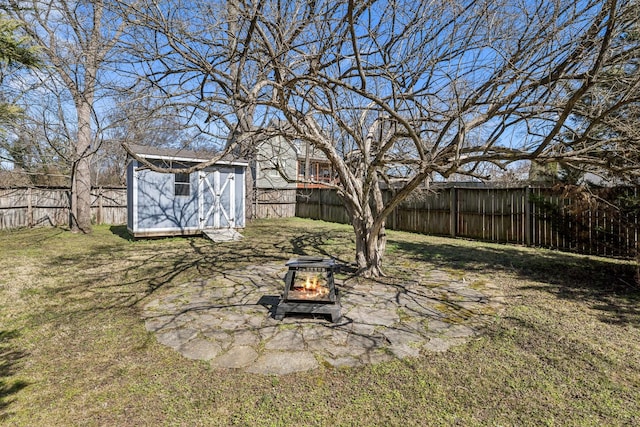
(228, 320)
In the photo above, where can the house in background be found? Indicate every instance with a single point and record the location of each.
(274, 173)
(314, 166)
(281, 168)
(166, 204)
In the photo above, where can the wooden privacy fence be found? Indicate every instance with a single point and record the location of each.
(272, 203)
(29, 206)
(35, 206)
(533, 216)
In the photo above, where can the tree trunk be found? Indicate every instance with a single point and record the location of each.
(81, 175)
(82, 197)
(371, 243)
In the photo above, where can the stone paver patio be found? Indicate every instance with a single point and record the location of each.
(228, 320)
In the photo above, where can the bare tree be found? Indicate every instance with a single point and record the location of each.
(42, 140)
(199, 57)
(389, 91)
(76, 39)
(140, 117)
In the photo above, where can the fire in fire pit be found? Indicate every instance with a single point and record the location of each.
(309, 285)
(310, 288)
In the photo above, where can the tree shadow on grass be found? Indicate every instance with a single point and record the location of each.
(607, 286)
(9, 362)
(109, 275)
(148, 271)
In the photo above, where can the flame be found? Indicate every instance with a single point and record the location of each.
(310, 287)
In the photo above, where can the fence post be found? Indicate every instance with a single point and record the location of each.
(100, 205)
(453, 211)
(395, 212)
(29, 208)
(527, 215)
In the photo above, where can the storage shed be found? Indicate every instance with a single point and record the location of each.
(167, 204)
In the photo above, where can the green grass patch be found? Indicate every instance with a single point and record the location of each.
(565, 349)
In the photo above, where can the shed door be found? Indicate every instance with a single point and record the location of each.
(217, 199)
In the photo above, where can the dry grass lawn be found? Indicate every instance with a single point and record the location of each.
(74, 350)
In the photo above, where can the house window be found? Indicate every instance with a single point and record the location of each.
(182, 184)
(324, 172)
(318, 171)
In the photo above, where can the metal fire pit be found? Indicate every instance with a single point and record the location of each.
(309, 288)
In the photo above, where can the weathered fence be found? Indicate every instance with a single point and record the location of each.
(34, 206)
(272, 203)
(534, 216)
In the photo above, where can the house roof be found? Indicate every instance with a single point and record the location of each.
(183, 155)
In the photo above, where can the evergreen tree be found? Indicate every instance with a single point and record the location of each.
(605, 122)
(15, 52)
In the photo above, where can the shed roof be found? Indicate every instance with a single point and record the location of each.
(183, 155)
